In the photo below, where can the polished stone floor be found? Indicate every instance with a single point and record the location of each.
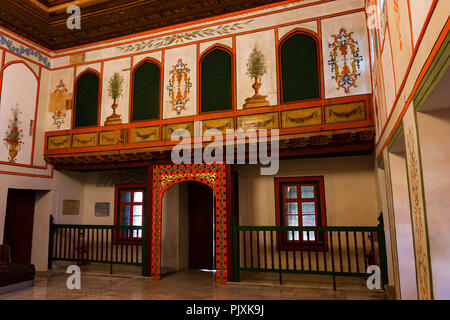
(195, 285)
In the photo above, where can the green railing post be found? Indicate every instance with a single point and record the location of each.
(50, 244)
(236, 251)
(382, 249)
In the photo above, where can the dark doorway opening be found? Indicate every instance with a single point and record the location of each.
(18, 232)
(201, 227)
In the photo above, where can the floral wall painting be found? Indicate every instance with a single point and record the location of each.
(346, 56)
(345, 60)
(14, 135)
(115, 91)
(256, 68)
(19, 90)
(179, 86)
(60, 102)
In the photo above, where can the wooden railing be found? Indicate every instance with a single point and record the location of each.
(344, 251)
(96, 244)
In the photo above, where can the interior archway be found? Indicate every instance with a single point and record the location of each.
(188, 228)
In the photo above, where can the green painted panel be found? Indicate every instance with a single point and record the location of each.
(299, 68)
(146, 92)
(86, 109)
(216, 81)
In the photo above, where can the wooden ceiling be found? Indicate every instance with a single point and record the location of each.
(44, 21)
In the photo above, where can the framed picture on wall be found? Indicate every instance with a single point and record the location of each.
(102, 209)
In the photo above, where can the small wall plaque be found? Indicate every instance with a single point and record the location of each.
(102, 209)
(71, 207)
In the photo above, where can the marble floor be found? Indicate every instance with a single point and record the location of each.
(191, 284)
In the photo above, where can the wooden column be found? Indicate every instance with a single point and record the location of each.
(231, 212)
(148, 222)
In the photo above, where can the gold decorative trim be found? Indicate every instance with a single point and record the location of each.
(145, 134)
(58, 142)
(167, 179)
(259, 121)
(84, 140)
(169, 129)
(346, 112)
(220, 124)
(301, 117)
(110, 138)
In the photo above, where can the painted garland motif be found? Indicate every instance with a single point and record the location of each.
(161, 42)
(214, 176)
(418, 220)
(345, 60)
(179, 86)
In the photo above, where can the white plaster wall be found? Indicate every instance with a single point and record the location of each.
(95, 66)
(92, 194)
(42, 211)
(419, 12)
(39, 141)
(400, 38)
(157, 55)
(434, 130)
(68, 185)
(175, 228)
(403, 227)
(228, 42)
(389, 88)
(311, 25)
(19, 87)
(387, 230)
(350, 190)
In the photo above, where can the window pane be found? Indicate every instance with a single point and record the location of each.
(293, 236)
(138, 196)
(125, 210)
(291, 208)
(137, 210)
(309, 220)
(290, 192)
(307, 192)
(312, 236)
(137, 221)
(126, 196)
(292, 221)
(125, 220)
(308, 207)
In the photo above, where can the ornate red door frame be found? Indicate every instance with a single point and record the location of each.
(214, 176)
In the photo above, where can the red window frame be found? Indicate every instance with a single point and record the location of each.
(119, 204)
(283, 243)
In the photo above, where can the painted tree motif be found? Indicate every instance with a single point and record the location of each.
(345, 60)
(14, 135)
